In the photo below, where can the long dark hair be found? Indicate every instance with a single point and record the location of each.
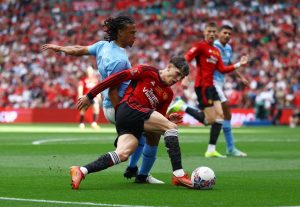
(113, 25)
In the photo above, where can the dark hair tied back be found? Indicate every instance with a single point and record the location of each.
(113, 25)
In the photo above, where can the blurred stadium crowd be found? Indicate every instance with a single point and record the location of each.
(266, 30)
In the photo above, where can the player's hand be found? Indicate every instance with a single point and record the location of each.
(175, 118)
(244, 60)
(83, 103)
(56, 48)
(185, 82)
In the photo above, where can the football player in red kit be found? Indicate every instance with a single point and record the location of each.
(142, 108)
(84, 86)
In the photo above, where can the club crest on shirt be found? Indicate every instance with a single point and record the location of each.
(215, 52)
(165, 96)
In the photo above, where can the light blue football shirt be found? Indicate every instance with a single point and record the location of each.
(226, 55)
(110, 59)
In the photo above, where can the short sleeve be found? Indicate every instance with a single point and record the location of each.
(94, 47)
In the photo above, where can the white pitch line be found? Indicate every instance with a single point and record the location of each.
(73, 203)
(185, 140)
(42, 141)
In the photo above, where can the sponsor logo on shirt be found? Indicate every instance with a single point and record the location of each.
(149, 93)
(212, 60)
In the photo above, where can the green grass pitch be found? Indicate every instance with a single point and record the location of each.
(35, 161)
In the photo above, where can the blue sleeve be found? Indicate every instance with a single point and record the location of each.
(94, 47)
(117, 66)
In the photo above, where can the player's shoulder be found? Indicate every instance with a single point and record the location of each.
(217, 43)
(100, 43)
(228, 47)
(146, 67)
(199, 43)
(145, 70)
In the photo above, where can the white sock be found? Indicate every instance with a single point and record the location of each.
(84, 170)
(211, 148)
(178, 173)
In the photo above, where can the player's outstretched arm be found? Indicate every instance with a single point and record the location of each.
(76, 50)
(242, 78)
(226, 69)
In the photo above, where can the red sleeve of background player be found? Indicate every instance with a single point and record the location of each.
(81, 82)
(115, 80)
(193, 52)
(222, 68)
(164, 108)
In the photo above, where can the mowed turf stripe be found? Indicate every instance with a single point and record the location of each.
(70, 202)
(111, 129)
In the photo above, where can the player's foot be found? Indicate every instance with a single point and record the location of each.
(94, 125)
(147, 179)
(76, 177)
(214, 154)
(236, 153)
(176, 106)
(130, 172)
(182, 181)
(81, 126)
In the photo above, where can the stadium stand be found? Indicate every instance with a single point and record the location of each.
(266, 30)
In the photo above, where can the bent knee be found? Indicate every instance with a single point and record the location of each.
(171, 125)
(219, 116)
(123, 155)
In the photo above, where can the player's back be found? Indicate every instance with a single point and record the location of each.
(148, 90)
(110, 59)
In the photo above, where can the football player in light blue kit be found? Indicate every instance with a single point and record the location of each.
(111, 58)
(219, 79)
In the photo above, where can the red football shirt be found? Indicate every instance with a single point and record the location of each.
(88, 83)
(145, 91)
(208, 59)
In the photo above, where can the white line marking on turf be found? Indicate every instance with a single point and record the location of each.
(42, 141)
(185, 140)
(73, 203)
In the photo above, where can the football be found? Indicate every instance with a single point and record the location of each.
(203, 178)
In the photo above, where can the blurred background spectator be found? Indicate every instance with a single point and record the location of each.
(266, 30)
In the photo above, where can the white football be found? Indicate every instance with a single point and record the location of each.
(203, 178)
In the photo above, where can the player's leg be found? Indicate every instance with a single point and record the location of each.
(159, 124)
(180, 105)
(96, 109)
(215, 130)
(127, 143)
(81, 119)
(134, 120)
(231, 149)
(149, 157)
(132, 168)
